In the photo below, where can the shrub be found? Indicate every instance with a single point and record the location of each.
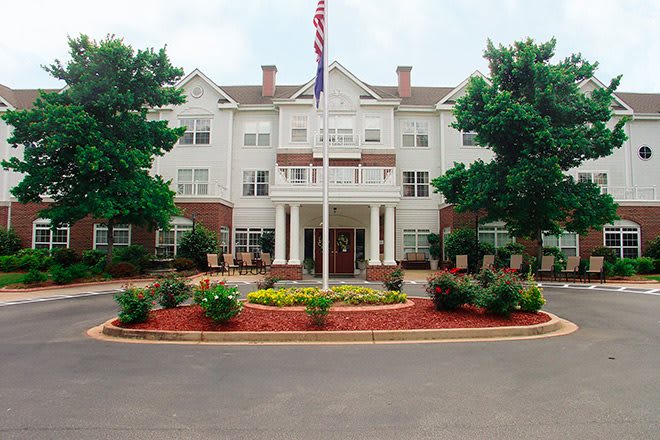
(35, 276)
(26, 259)
(65, 275)
(622, 267)
(93, 258)
(486, 277)
(560, 258)
(196, 244)
(170, 291)
(134, 254)
(8, 263)
(267, 282)
(220, 302)
(267, 242)
(502, 296)
(318, 308)
(181, 264)
(344, 293)
(393, 281)
(645, 265)
(531, 297)
(122, 269)
(308, 264)
(434, 246)
(10, 243)
(135, 305)
(652, 248)
(503, 258)
(444, 290)
(602, 251)
(66, 257)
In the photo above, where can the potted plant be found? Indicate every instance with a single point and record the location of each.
(434, 249)
(361, 264)
(308, 264)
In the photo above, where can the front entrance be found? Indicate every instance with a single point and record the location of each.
(341, 252)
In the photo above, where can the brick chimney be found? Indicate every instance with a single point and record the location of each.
(403, 73)
(268, 83)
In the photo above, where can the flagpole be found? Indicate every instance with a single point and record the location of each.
(326, 158)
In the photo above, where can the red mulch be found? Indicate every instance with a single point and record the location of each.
(420, 316)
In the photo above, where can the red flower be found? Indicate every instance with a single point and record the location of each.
(140, 296)
(156, 285)
(438, 290)
(447, 292)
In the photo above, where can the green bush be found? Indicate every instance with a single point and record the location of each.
(134, 254)
(503, 258)
(652, 248)
(8, 263)
(267, 242)
(25, 260)
(602, 251)
(448, 291)
(645, 265)
(560, 258)
(502, 296)
(35, 276)
(317, 309)
(122, 269)
(66, 257)
(170, 291)
(462, 242)
(308, 264)
(135, 305)
(65, 275)
(267, 282)
(219, 301)
(195, 245)
(345, 293)
(181, 264)
(532, 299)
(93, 259)
(486, 277)
(622, 267)
(393, 281)
(10, 243)
(434, 246)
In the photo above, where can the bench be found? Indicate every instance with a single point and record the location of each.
(415, 260)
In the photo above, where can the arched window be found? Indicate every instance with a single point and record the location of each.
(623, 237)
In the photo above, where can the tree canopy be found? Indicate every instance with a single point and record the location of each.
(90, 147)
(539, 125)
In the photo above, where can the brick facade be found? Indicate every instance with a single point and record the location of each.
(287, 271)
(4, 216)
(377, 273)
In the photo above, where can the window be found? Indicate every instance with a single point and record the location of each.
(645, 152)
(415, 134)
(598, 178)
(121, 234)
(415, 184)
(623, 238)
(255, 183)
(257, 134)
(495, 234)
(468, 139)
(198, 132)
(224, 240)
(44, 237)
(299, 129)
(192, 182)
(247, 239)
(372, 128)
(567, 242)
(167, 242)
(445, 234)
(416, 240)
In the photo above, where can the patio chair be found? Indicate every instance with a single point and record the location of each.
(213, 265)
(488, 262)
(230, 265)
(516, 262)
(265, 262)
(572, 267)
(247, 264)
(462, 263)
(596, 266)
(547, 266)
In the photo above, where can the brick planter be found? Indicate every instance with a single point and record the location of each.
(287, 271)
(377, 273)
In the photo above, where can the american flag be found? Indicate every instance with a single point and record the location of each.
(319, 24)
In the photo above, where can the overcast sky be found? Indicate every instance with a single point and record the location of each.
(443, 40)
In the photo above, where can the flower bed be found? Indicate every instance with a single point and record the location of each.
(353, 295)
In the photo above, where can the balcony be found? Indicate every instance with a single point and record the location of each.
(631, 193)
(347, 184)
(340, 146)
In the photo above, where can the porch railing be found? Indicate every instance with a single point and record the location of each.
(630, 192)
(338, 140)
(346, 176)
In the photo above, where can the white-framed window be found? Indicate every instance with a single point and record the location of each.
(645, 152)
(44, 237)
(494, 233)
(372, 129)
(415, 184)
(597, 177)
(257, 134)
(198, 131)
(121, 234)
(468, 139)
(624, 238)
(567, 242)
(299, 128)
(224, 239)
(192, 182)
(167, 242)
(416, 240)
(247, 239)
(445, 234)
(255, 183)
(414, 133)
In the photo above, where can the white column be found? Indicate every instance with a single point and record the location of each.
(374, 233)
(280, 235)
(388, 256)
(294, 239)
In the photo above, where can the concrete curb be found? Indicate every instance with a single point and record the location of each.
(555, 327)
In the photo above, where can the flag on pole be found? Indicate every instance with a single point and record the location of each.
(319, 24)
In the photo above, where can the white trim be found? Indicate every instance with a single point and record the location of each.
(336, 65)
(194, 184)
(307, 128)
(257, 132)
(620, 225)
(255, 183)
(196, 118)
(366, 116)
(403, 183)
(50, 242)
(460, 87)
(415, 134)
(214, 86)
(98, 226)
(600, 85)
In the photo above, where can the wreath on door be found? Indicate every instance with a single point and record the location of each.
(342, 242)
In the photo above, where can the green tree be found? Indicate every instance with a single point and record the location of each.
(90, 147)
(196, 244)
(539, 125)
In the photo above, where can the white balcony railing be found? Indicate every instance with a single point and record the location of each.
(341, 176)
(338, 140)
(630, 192)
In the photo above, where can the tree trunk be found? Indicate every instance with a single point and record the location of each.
(111, 241)
(539, 244)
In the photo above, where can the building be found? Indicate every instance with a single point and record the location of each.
(250, 162)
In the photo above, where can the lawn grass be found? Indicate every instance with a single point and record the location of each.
(652, 277)
(10, 278)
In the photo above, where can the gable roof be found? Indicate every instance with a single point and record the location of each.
(647, 103)
(19, 98)
(337, 66)
(198, 73)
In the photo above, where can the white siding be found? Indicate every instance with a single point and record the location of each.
(414, 219)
